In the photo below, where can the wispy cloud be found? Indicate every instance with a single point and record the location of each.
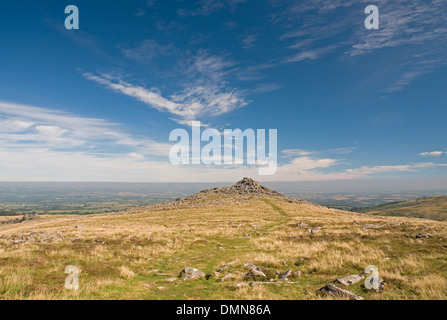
(147, 50)
(345, 150)
(289, 153)
(433, 153)
(312, 168)
(417, 24)
(405, 80)
(305, 164)
(143, 11)
(204, 91)
(207, 7)
(369, 170)
(250, 41)
(311, 54)
(193, 103)
(296, 152)
(414, 22)
(25, 127)
(263, 88)
(208, 67)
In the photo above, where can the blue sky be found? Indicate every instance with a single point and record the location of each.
(98, 103)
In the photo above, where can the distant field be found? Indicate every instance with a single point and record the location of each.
(434, 208)
(83, 198)
(82, 208)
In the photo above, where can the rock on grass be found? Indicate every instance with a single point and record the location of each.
(192, 273)
(347, 281)
(333, 290)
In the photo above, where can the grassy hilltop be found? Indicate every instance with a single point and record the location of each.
(434, 208)
(139, 254)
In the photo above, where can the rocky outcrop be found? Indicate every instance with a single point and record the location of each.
(244, 191)
(34, 237)
(26, 217)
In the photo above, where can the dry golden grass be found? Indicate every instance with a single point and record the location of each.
(428, 208)
(129, 255)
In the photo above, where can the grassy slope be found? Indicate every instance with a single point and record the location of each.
(427, 208)
(134, 253)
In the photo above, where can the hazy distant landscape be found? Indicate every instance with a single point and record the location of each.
(92, 198)
(434, 208)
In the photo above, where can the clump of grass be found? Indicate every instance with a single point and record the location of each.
(125, 272)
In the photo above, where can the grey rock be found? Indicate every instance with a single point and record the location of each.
(290, 274)
(252, 266)
(338, 292)
(192, 273)
(254, 274)
(26, 217)
(285, 275)
(347, 281)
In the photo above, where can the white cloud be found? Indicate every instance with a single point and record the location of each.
(288, 153)
(296, 152)
(193, 103)
(305, 164)
(369, 170)
(30, 127)
(433, 154)
(343, 150)
(11, 125)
